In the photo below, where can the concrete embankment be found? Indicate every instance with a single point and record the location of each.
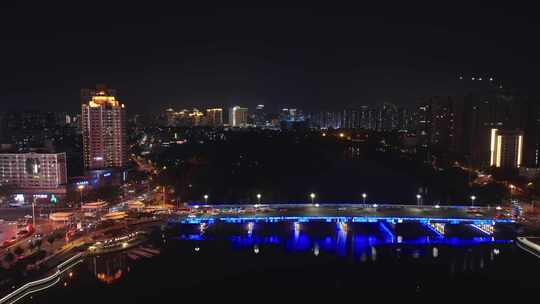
(530, 244)
(44, 283)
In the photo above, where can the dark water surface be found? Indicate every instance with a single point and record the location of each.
(286, 261)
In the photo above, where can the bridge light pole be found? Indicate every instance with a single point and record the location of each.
(259, 198)
(418, 199)
(473, 197)
(312, 196)
(206, 198)
(364, 196)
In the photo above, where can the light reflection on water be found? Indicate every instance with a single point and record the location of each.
(343, 241)
(317, 253)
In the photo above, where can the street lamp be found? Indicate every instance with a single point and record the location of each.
(473, 197)
(206, 198)
(259, 198)
(81, 188)
(364, 196)
(512, 187)
(34, 213)
(418, 199)
(312, 196)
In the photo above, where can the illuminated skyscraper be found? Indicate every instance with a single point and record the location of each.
(506, 148)
(195, 117)
(260, 116)
(238, 116)
(103, 129)
(170, 119)
(214, 117)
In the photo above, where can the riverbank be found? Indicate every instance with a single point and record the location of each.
(20, 274)
(43, 283)
(530, 244)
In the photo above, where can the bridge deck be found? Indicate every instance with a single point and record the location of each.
(354, 213)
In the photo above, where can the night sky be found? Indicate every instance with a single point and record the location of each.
(319, 57)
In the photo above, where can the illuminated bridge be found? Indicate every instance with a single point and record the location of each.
(435, 218)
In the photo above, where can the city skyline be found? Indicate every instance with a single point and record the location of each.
(152, 151)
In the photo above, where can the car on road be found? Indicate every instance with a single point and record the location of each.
(9, 242)
(22, 232)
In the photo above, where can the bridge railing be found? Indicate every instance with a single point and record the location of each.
(337, 205)
(354, 219)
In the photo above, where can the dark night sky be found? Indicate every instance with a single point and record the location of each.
(325, 57)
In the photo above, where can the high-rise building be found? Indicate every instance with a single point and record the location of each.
(103, 129)
(33, 170)
(365, 118)
(195, 117)
(388, 117)
(37, 174)
(440, 123)
(463, 124)
(260, 116)
(350, 119)
(238, 116)
(214, 117)
(506, 148)
(170, 118)
(500, 110)
(404, 119)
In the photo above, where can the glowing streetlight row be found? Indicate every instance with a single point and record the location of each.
(312, 196)
(206, 197)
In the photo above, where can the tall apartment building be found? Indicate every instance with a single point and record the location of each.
(238, 116)
(506, 148)
(214, 117)
(259, 117)
(103, 129)
(37, 174)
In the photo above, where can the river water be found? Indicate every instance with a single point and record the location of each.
(253, 262)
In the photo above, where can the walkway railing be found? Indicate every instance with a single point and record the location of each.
(527, 245)
(41, 284)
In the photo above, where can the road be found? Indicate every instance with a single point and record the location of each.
(12, 214)
(360, 211)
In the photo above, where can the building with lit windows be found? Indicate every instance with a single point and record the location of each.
(42, 175)
(170, 117)
(259, 117)
(214, 117)
(103, 129)
(506, 148)
(238, 116)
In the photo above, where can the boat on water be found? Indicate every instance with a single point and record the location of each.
(118, 243)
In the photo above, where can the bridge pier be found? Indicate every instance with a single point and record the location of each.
(488, 229)
(388, 231)
(250, 227)
(437, 228)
